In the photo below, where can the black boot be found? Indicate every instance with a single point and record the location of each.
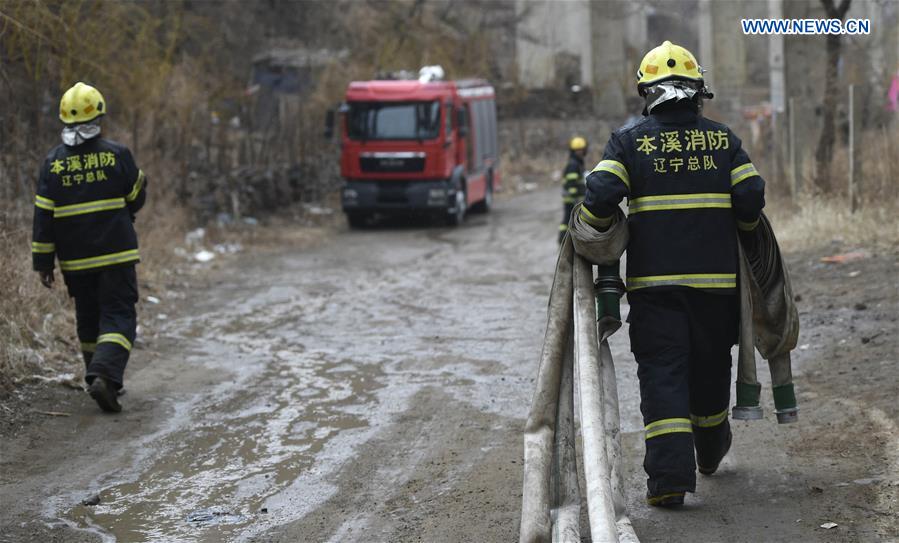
(712, 445)
(671, 499)
(104, 393)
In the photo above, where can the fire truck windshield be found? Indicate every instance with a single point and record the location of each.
(393, 120)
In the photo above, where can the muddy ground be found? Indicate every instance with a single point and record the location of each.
(374, 388)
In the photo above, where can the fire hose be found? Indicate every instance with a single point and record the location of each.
(576, 355)
(769, 321)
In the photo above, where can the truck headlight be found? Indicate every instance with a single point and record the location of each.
(350, 194)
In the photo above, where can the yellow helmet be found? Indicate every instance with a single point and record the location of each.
(577, 143)
(80, 104)
(667, 61)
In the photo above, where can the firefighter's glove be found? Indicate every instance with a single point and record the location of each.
(47, 278)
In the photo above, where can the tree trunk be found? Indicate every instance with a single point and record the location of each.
(824, 153)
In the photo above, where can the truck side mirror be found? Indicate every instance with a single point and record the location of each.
(329, 124)
(462, 122)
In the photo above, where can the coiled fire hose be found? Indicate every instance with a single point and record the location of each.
(769, 322)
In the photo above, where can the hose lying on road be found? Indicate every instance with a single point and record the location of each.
(550, 509)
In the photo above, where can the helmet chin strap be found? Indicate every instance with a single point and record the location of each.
(78, 134)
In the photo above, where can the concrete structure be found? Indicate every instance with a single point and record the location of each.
(556, 43)
(612, 76)
(552, 43)
(281, 75)
(598, 44)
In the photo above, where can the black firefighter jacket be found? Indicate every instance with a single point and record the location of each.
(690, 187)
(573, 187)
(84, 207)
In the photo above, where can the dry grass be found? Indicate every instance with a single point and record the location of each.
(534, 151)
(818, 220)
(813, 218)
(37, 325)
(521, 171)
(160, 226)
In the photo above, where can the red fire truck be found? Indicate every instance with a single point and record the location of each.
(418, 147)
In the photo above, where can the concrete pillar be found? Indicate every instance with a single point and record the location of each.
(610, 67)
(637, 34)
(548, 33)
(533, 45)
(636, 45)
(728, 56)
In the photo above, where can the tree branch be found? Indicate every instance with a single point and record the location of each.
(843, 8)
(836, 12)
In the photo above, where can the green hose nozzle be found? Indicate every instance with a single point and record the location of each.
(608, 290)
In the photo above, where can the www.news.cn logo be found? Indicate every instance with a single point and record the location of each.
(802, 27)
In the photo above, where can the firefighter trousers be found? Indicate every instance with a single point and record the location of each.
(106, 319)
(568, 207)
(681, 340)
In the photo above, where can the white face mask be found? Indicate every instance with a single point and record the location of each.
(668, 91)
(78, 134)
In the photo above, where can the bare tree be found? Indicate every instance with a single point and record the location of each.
(824, 152)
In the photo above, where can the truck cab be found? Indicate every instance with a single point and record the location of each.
(411, 147)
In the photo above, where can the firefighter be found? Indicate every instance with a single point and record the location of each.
(88, 193)
(691, 190)
(573, 187)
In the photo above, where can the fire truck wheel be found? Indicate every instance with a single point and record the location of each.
(457, 213)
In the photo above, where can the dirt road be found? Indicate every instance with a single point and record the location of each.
(374, 389)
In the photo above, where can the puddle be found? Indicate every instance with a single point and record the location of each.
(234, 449)
(210, 517)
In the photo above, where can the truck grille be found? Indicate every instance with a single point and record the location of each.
(392, 162)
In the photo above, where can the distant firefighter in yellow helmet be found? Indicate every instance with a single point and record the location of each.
(573, 187)
(88, 193)
(691, 191)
